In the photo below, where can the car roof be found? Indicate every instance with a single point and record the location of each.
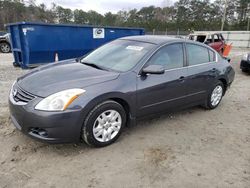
(162, 39)
(153, 39)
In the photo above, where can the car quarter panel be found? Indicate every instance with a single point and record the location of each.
(226, 71)
(202, 78)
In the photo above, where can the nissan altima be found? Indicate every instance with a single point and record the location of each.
(94, 97)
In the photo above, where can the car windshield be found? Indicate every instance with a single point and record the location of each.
(119, 55)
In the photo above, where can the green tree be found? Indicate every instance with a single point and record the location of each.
(80, 17)
(95, 18)
(183, 15)
(64, 15)
(110, 19)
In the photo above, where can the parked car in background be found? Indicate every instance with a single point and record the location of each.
(214, 40)
(245, 63)
(5, 46)
(92, 98)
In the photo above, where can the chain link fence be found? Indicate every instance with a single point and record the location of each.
(178, 33)
(239, 39)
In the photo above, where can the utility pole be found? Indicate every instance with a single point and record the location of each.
(248, 16)
(248, 23)
(224, 15)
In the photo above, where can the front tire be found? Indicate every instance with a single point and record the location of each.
(104, 124)
(215, 95)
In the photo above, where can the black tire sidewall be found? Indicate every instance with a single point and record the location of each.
(87, 130)
(244, 70)
(209, 104)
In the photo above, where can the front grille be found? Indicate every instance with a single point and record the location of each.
(20, 95)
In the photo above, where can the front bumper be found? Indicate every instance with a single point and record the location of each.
(52, 127)
(245, 65)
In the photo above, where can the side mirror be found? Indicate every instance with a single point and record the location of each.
(153, 69)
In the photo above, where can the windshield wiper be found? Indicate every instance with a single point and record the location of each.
(93, 65)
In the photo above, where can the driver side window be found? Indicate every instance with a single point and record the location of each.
(170, 56)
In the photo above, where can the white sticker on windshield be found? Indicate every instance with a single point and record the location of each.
(137, 48)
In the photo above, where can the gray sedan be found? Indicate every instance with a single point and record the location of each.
(94, 97)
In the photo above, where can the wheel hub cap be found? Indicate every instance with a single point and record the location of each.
(107, 125)
(5, 48)
(216, 95)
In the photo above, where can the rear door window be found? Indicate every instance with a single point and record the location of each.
(211, 56)
(197, 54)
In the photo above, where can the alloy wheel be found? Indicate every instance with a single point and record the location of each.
(216, 95)
(5, 48)
(107, 125)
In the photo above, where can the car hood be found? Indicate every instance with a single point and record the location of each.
(52, 78)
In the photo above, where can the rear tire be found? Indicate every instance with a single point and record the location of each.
(5, 47)
(215, 95)
(104, 124)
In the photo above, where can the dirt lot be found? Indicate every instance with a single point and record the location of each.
(192, 148)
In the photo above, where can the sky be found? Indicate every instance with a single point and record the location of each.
(103, 6)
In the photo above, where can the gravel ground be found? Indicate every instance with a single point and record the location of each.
(191, 148)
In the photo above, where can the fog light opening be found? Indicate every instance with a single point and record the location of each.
(39, 131)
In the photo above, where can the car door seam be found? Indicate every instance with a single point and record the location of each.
(189, 95)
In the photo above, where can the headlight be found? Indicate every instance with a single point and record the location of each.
(245, 57)
(59, 101)
(11, 89)
(12, 86)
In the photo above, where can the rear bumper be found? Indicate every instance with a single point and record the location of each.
(245, 65)
(51, 127)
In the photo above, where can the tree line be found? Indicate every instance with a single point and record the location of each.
(184, 15)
